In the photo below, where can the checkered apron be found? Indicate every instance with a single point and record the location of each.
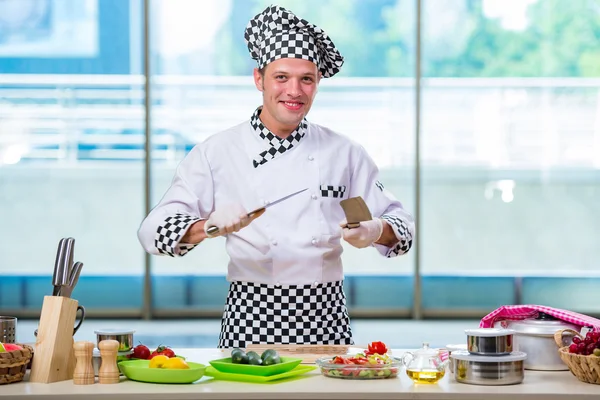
(268, 314)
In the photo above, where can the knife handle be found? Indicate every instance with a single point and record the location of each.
(213, 230)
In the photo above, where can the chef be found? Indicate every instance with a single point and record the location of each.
(285, 270)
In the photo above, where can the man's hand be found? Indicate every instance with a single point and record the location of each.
(229, 218)
(365, 235)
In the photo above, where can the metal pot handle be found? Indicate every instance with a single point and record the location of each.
(558, 335)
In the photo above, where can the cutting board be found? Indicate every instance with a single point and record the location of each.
(307, 352)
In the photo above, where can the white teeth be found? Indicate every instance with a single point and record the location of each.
(291, 104)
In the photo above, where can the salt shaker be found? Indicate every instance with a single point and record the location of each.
(109, 372)
(84, 368)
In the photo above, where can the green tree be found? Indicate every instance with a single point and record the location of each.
(377, 38)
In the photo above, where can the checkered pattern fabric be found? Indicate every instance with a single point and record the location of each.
(525, 311)
(277, 33)
(379, 185)
(269, 314)
(170, 232)
(333, 191)
(403, 234)
(276, 145)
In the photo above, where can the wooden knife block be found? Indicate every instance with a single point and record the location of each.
(54, 358)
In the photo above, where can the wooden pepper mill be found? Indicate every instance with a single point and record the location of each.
(84, 367)
(109, 372)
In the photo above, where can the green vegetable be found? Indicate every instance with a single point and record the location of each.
(238, 356)
(254, 358)
(270, 357)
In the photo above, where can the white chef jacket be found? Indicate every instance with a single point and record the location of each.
(295, 242)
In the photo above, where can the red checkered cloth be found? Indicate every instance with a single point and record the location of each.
(531, 310)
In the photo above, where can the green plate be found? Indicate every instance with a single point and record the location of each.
(299, 370)
(139, 370)
(286, 364)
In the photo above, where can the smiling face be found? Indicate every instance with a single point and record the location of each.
(289, 86)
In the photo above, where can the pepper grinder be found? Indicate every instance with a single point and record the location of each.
(109, 372)
(84, 368)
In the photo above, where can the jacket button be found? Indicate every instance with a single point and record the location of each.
(314, 196)
(314, 242)
(310, 158)
(274, 242)
(315, 284)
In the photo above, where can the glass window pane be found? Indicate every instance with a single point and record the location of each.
(71, 147)
(202, 84)
(511, 137)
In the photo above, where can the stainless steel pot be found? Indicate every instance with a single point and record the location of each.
(451, 348)
(489, 341)
(488, 370)
(535, 337)
(124, 337)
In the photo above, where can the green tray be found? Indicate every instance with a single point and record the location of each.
(299, 370)
(286, 364)
(139, 370)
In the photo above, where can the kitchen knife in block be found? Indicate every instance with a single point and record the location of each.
(54, 358)
(356, 211)
(307, 352)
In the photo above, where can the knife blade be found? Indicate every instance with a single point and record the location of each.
(213, 230)
(68, 261)
(66, 291)
(57, 276)
(356, 211)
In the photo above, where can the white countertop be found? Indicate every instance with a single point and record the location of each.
(536, 386)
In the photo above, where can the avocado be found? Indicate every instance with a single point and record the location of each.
(254, 358)
(238, 356)
(270, 357)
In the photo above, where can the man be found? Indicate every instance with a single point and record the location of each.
(285, 267)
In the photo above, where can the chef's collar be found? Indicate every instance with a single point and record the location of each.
(276, 145)
(277, 33)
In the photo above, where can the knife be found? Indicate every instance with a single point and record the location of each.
(68, 261)
(66, 291)
(213, 230)
(356, 211)
(57, 277)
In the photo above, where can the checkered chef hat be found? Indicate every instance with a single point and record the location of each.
(277, 33)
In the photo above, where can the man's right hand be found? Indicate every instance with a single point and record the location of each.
(228, 219)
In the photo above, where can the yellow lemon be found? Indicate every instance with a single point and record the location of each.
(176, 363)
(158, 361)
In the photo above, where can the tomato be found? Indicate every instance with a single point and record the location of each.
(377, 348)
(341, 360)
(162, 351)
(141, 351)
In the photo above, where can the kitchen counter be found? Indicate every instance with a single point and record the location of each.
(536, 386)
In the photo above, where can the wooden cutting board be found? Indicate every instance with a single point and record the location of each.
(307, 352)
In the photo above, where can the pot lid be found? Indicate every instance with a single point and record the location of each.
(489, 332)
(540, 327)
(466, 356)
(455, 347)
(543, 324)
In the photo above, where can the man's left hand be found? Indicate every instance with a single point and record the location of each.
(365, 235)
